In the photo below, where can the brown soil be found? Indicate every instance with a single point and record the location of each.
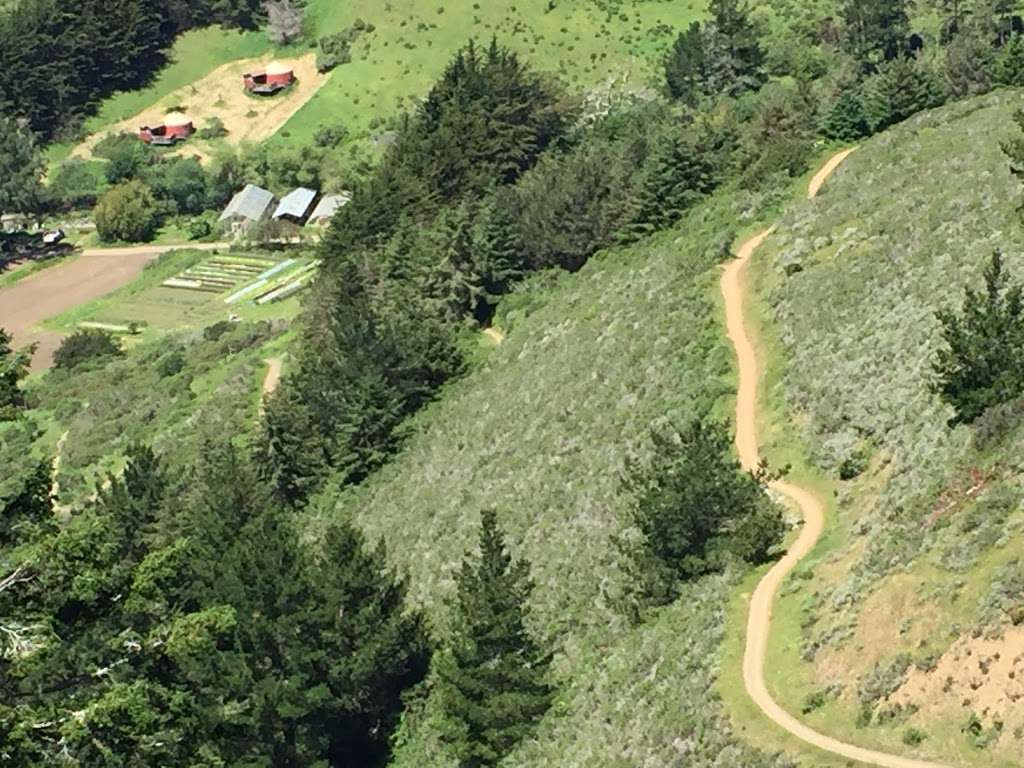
(220, 94)
(52, 291)
(273, 377)
(977, 674)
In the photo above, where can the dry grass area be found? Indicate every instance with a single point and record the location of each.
(977, 674)
(221, 94)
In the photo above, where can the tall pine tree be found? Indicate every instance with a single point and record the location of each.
(686, 67)
(493, 684)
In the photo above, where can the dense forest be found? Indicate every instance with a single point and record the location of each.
(189, 613)
(58, 60)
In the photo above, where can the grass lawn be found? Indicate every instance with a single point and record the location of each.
(413, 42)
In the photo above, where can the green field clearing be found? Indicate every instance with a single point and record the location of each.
(159, 309)
(413, 42)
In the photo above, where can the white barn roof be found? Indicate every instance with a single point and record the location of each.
(327, 207)
(251, 203)
(296, 203)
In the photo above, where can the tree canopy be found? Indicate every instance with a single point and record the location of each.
(21, 167)
(982, 362)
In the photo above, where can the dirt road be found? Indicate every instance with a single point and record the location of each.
(759, 620)
(51, 291)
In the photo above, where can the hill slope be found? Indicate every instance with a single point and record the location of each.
(541, 433)
(875, 638)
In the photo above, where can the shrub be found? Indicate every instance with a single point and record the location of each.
(814, 701)
(77, 184)
(913, 737)
(855, 463)
(127, 212)
(181, 182)
(171, 364)
(333, 51)
(86, 346)
(330, 136)
(214, 129)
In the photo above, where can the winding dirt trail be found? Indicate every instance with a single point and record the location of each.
(759, 620)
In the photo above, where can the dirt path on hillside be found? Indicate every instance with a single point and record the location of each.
(826, 171)
(221, 94)
(273, 377)
(759, 620)
(51, 291)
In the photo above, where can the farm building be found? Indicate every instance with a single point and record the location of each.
(248, 207)
(13, 222)
(276, 77)
(175, 127)
(326, 208)
(295, 206)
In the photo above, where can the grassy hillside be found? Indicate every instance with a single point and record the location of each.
(540, 432)
(901, 629)
(585, 42)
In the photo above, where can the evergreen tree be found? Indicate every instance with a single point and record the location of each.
(982, 363)
(695, 509)
(970, 64)
(21, 167)
(1009, 64)
(900, 89)
(292, 453)
(456, 281)
(13, 369)
(498, 249)
(875, 30)
(676, 176)
(29, 513)
(685, 66)
(741, 62)
(954, 13)
(492, 675)
(134, 500)
(846, 121)
(995, 18)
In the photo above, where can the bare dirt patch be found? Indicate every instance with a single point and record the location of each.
(979, 675)
(221, 94)
(59, 288)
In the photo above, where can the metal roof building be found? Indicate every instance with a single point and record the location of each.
(327, 207)
(295, 205)
(249, 205)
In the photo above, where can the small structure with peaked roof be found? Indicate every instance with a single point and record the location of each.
(248, 207)
(176, 126)
(276, 77)
(327, 207)
(295, 206)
